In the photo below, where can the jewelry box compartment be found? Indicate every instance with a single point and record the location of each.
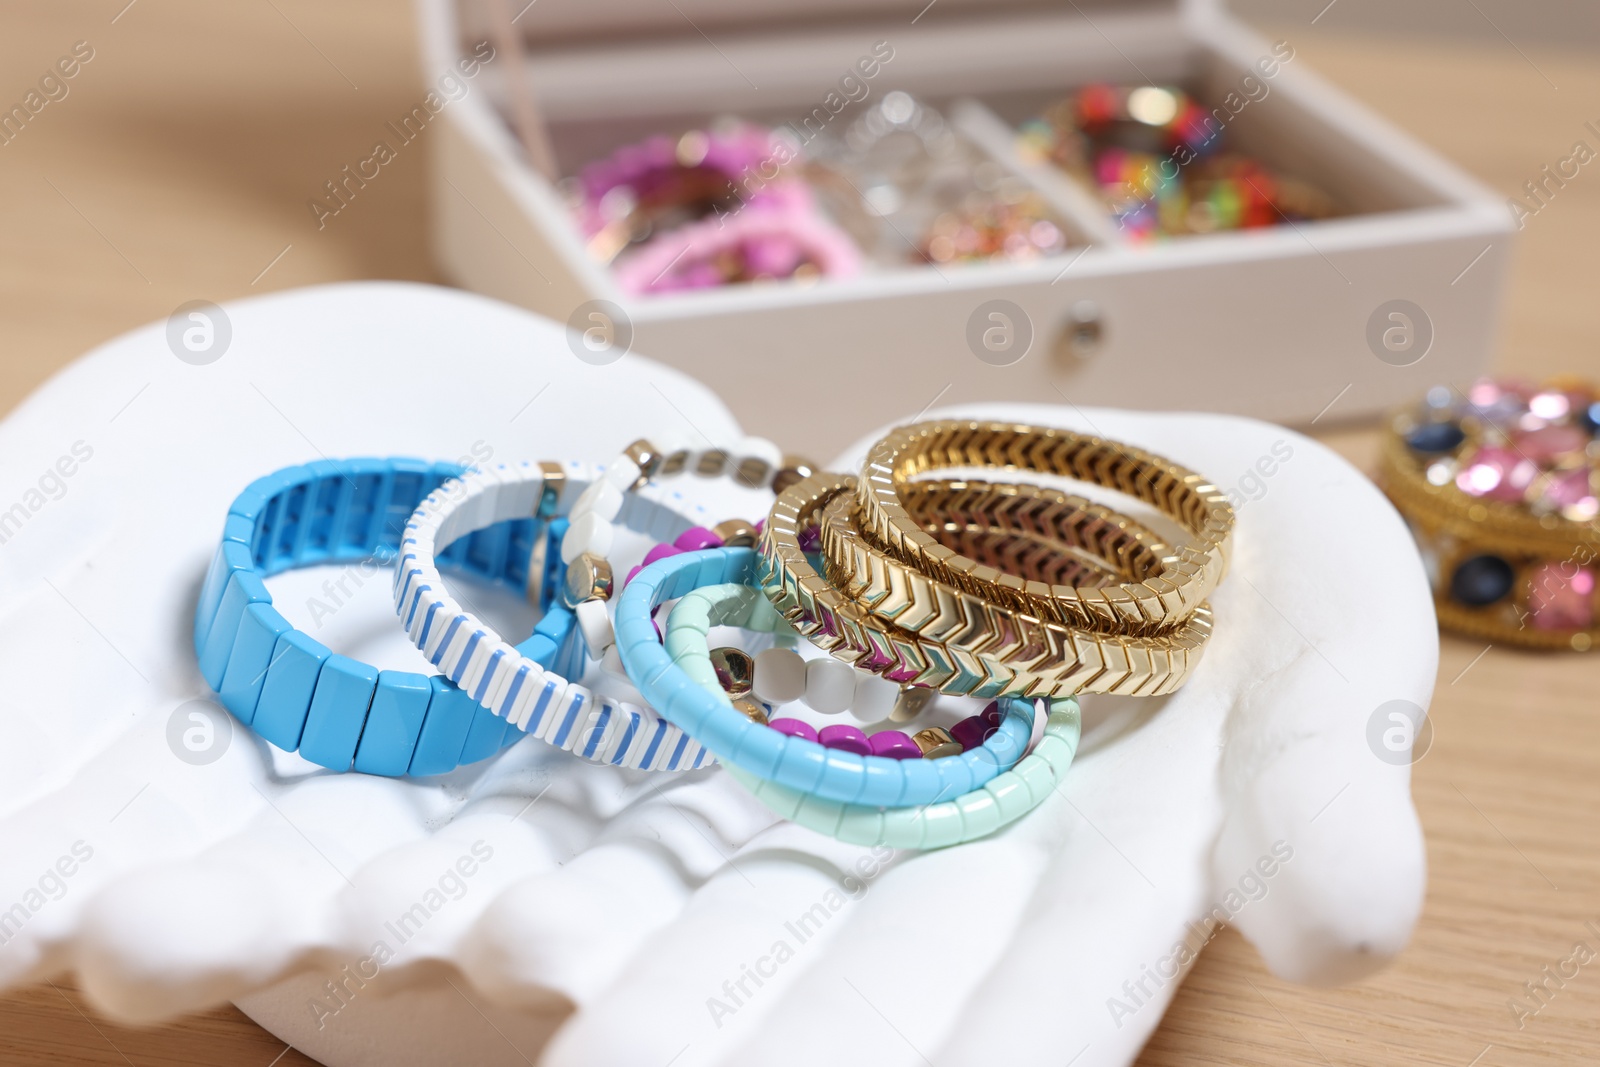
(1273, 321)
(917, 192)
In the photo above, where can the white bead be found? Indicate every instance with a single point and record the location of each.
(622, 473)
(669, 441)
(595, 623)
(601, 498)
(830, 685)
(588, 533)
(874, 697)
(611, 663)
(780, 675)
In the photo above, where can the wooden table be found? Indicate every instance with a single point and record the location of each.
(179, 166)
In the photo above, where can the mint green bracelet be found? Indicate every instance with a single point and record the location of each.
(1002, 800)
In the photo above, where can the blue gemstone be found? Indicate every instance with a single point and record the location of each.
(1589, 418)
(1481, 580)
(1433, 438)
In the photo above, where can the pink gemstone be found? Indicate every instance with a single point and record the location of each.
(1487, 391)
(1550, 405)
(1496, 473)
(1544, 445)
(1500, 403)
(1571, 494)
(1562, 597)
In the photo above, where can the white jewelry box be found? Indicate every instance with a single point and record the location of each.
(1290, 323)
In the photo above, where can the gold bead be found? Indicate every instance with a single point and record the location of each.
(936, 743)
(751, 709)
(735, 670)
(673, 463)
(555, 479)
(647, 457)
(735, 533)
(912, 701)
(753, 472)
(793, 469)
(588, 578)
(713, 461)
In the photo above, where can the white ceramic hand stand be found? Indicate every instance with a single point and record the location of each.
(537, 908)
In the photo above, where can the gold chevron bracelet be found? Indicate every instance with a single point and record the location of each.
(999, 652)
(937, 611)
(1042, 535)
(1149, 605)
(1070, 528)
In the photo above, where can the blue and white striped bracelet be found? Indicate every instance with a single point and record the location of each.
(298, 694)
(515, 683)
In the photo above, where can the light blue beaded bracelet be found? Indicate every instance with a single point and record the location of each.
(968, 817)
(293, 690)
(794, 762)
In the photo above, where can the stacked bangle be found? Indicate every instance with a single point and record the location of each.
(974, 814)
(289, 687)
(791, 761)
(519, 684)
(1041, 533)
(962, 644)
(1501, 487)
(1149, 605)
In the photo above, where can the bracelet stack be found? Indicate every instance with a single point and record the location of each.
(1501, 488)
(892, 599)
(919, 587)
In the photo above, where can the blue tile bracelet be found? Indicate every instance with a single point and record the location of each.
(297, 693)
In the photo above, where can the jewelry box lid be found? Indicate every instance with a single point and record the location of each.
(553, 22)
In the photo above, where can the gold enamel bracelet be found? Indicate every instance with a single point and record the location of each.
(1003, 653)
(1149, 605)
(937, 611)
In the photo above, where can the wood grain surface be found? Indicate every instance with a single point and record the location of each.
(179, 165)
